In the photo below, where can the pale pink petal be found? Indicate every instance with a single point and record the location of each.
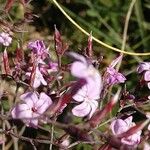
(32, 123)
(43, 81)
(118, 126)
(36, 83)
(43, 103)
(81, 110)
(132, 140)
(21, 111)
(128, 121)
(147, 76)
(80, 95)
(94, 88)
(144, 66)
(30, 98)
(38, 79)
(94, 105)
(78, 69)
(78, 57)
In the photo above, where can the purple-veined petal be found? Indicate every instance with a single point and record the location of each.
(30, 98)
(21, 111)
(81, 110)
(43, 103)
(118, 126)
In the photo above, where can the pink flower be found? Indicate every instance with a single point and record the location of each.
(32, 108)
(38, 48)
(81, 68)
(112, 76)
(39, 79)
(120, 126)
(88, 99)
(5, 39)
(145, 67)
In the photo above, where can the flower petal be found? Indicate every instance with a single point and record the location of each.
(132, 140)
(21, 111)
(144, 66)
(129, 121)
(147, 76)
(81, 110)
(78, 69)
(94, 105)
(78, 57)
(31, 122)
(30, 98)
(81, 94)
(43, 103)
(118, 126)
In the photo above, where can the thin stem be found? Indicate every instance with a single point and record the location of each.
(126, 30)
(127, 24)
(52, 135)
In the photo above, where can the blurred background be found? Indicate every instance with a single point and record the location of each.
(105, 18)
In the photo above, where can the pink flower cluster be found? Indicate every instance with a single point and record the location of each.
(112, 76)
(42, 67)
